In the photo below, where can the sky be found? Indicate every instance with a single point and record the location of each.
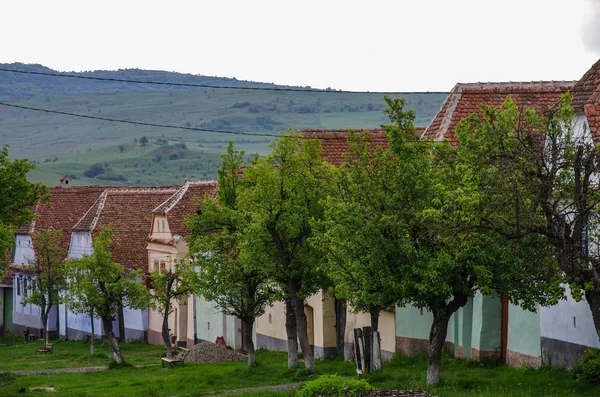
(374, 45)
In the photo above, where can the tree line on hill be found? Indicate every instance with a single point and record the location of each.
(510, 211)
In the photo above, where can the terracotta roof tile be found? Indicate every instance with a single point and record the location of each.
(64, 209)
(466, 98)
(129, 211)
(586, 91)
(182, 204)
(334, 143)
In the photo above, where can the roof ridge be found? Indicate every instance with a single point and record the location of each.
(516, 84)
(142, 190)
(207, 182)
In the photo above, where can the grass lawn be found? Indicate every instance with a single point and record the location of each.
(16, 355)
(459, 377)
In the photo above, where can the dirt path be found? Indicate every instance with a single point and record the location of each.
(64, 370)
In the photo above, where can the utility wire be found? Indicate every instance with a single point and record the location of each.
(135, 122)
(74, 76)
(187, 128)
(283, 89)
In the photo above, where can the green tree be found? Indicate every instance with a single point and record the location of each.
(99, 286)
(17, 198)
(366, 218)
(457, 253)
(548, 178)
(169, 285)
(230, 275)
(282, 194)
(144, 140)
(121, 148)
(48, 269)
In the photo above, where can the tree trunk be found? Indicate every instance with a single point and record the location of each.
(248, 328)
(437, 337)
(374, 320)
(292, 335)
(340, 325)
(165, 332)
(45, 327)
(121, 321)
(302, 326)
(92, 336)
(107, 322)
(593, 299)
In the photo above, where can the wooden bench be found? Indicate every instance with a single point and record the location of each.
(46, 349)
(177, 358)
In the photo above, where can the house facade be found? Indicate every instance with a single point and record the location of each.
(193, 319)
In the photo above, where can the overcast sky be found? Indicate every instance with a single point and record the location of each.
(376, 45)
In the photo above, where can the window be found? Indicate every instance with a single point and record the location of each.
(163, 266)
(155, 268)
(25, 287)
(19, 285)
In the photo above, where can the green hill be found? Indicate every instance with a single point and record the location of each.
(67, 145)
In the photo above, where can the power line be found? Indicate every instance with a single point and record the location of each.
(74, 76)
(141, 123)
(85, 116)
(504, 90)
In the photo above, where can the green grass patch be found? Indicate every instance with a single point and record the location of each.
(460, 377)
(17, 355)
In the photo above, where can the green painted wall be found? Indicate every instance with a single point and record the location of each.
(524, 331)
(487, 318)
(412, 324)
(466, 319)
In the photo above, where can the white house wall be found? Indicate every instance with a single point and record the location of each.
(566, 330)
(23, 250)
(78, 326)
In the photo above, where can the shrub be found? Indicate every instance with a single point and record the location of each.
(587, 367)
(332, 386)
(94, 170)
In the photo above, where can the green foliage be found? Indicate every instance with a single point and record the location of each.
(332, 386)
(282, 194)
(229, 274)
(173, 283)
(374, 207)
(143, 140)
(587, 367)
(17, 197)
(99, 285)
(49, 272)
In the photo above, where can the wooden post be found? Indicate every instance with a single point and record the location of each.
(359, 351)
(368, 342)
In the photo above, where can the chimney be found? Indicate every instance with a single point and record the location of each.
(65, 181)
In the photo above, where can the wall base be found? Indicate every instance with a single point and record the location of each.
(350, 356)
(415, 346)
(131, 335)
(280, 345)
(560, 353)
(485, 355)
(517, 359)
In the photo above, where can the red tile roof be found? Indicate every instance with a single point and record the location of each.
(334, 143)
(466, 98)
(64, 209)
(182, 204)
(129, 211)
(586, 91)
